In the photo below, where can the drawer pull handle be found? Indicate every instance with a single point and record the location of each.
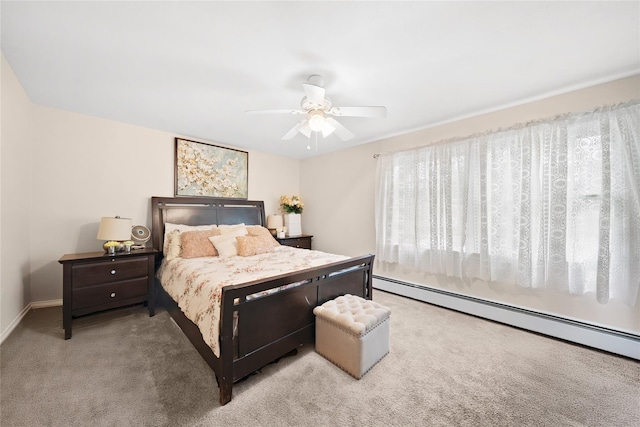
(113, 272)
(113, 294)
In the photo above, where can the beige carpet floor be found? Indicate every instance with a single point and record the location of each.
(122, 368)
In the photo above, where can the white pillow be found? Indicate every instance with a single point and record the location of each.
(224, 229)
(231, 225)
(173, 245)
(226, 244)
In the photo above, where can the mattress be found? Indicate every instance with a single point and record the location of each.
(196, 283)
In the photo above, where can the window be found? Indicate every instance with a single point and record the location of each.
(549, 205)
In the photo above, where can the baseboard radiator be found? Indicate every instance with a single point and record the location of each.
(609, 340)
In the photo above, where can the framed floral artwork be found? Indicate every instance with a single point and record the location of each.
(207, 170)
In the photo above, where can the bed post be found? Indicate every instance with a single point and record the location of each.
(225, 382)
(369, 285)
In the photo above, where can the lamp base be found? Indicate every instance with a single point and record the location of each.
(118, 248)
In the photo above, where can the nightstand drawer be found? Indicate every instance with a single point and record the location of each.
(90, 296)
(94, 273)
(95, 281)
(302, 243)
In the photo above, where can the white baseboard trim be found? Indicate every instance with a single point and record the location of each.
(610, 340)
(32, 305)
(15, 323)
(45, 304)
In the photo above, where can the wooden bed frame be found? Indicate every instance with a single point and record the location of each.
(267, 327)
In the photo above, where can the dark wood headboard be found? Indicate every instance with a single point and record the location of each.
(202, 211)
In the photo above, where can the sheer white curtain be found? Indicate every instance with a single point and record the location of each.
(554, 204)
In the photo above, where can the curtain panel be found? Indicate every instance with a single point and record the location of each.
(553, 204)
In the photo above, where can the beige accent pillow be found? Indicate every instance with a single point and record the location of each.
(196, 244)
(253, 245)
(169, 227)
(263, 234)
(226, 243)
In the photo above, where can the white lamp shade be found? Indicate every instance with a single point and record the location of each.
(115, 228)
(316, 121)
(274, 222)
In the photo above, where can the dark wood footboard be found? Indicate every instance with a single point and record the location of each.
(270, 326)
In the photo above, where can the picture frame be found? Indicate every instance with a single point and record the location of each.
(207, 170)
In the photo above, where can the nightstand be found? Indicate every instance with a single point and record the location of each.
(302, 241)
(96, 281)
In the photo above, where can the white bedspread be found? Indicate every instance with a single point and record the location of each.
(196, 284)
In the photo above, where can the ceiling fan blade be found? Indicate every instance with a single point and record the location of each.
(305, 129)
(293, 132)
(342, 132)
(315, 94)
(327, 129)
(275, 112)
(358, 111)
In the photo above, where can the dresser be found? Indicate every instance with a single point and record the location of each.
(302, 241)
(96, 281)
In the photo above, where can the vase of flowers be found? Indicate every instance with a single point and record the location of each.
(292, 208)
(291, 205)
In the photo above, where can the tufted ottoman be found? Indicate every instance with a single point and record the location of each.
(353, 333)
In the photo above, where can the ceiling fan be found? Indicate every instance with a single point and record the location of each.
(317, 109)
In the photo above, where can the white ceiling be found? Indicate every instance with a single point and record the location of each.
(193, 68)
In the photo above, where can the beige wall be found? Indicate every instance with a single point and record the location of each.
(86, 167)
(62, 171)
(16, 142)
(338, 190)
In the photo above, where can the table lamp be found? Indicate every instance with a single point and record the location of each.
(114, 230)
(273, 223)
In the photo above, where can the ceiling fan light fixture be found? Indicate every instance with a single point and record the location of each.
(318, 113)
(316, 121)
